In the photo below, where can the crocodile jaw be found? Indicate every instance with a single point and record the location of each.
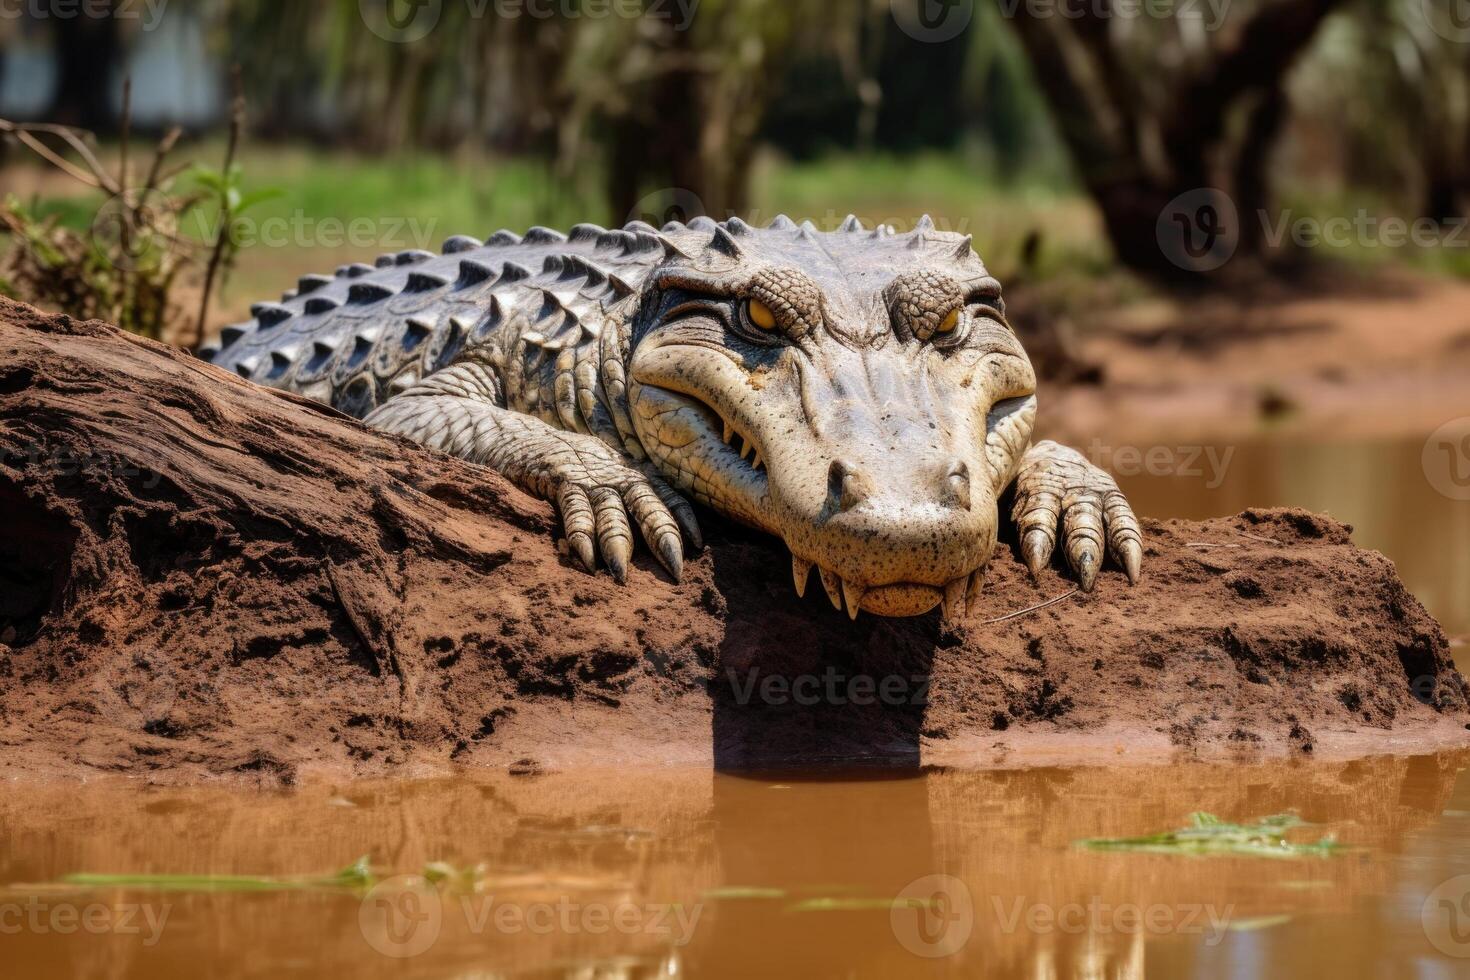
(891, 503)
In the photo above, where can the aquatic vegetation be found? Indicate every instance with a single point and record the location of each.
(356, 875)
(738, 892)
(858, 904)
(1207, 834)
(1258, 923)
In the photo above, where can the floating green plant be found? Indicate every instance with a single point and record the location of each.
(857, 904)
(1258, 923)
(357, 875)
(738, 892)
(1207, 834)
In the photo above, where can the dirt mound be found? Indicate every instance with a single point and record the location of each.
(206, 578)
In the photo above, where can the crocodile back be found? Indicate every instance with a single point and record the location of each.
(360, 336)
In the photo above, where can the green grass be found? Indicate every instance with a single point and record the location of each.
(1208, 835)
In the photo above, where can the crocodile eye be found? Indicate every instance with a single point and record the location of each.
(950, 322)
(760, 315)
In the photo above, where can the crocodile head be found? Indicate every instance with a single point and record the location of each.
(857, 393)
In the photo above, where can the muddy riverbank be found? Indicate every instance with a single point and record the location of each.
(205, 579)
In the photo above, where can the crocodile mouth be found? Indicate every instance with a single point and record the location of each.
(719, 462)
(724, 467)
(894, 599)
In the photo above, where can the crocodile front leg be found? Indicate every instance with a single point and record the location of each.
(597, 489)
(1057, 487)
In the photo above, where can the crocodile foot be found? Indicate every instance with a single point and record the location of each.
(1057, 488)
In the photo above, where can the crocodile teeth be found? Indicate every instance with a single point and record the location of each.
(954, 598)
(729, 433)
(833, 585)
(801, 570)
(853, 593)
(977, 581)
(745, 449)
(758, 462)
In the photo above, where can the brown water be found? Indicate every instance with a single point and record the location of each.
(688, 873)
(672, 873)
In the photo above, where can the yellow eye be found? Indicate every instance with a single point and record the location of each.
(950, 322)
(761, 315)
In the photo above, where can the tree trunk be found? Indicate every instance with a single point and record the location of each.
(88, 50)
(1095, 100)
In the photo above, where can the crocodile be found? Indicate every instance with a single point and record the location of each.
(857, 392)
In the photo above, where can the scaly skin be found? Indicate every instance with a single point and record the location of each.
(857, 393)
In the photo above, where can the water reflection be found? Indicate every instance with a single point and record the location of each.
(781, 877)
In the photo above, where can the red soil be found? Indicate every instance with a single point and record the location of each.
(204, 578)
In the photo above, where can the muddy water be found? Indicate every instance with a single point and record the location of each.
(686, 873)
(1416, 514)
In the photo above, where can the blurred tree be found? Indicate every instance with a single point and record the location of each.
(678, 105)
(1410, 113)
(88, 49)
(1152, 107)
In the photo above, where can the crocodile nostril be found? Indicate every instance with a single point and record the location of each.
(957, 481)
(845, 484)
